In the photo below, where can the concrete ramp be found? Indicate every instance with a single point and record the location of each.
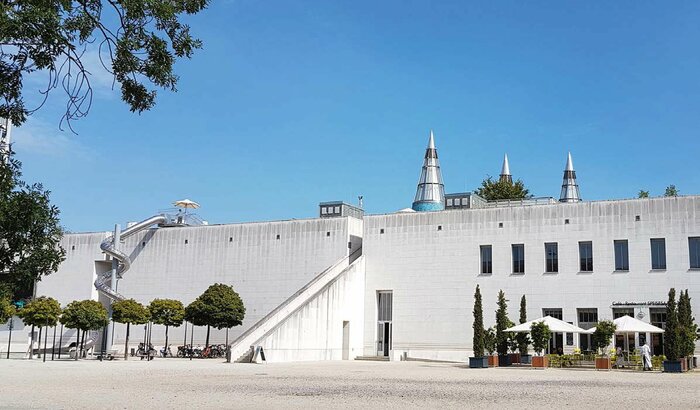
(321, 321)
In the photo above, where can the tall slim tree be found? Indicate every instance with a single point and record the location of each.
(502, 322)
(687, 327)
(478, 325)
(167, 312)
(29, 228)
(522, 338)
(129, 311)
(671, 334)
(137, 42)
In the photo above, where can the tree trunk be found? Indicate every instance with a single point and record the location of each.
(46, 334)
(166, 341)
(82, 342)
(31, 346)
(206, 344)
(126, 344)
(77, 343)
(38, 345)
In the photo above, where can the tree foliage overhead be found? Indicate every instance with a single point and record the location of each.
(478, 325)
(493, 190)
(643, 194)
(85, 315)
(7, 309)
(138, 42)
(130, 311)
(30, 232)
(42, 311)
(167, 312)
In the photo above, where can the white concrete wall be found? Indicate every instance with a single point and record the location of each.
(315, 330)
(433, 273)
(263, 270)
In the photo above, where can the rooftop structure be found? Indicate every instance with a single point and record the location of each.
(569, 187)
(505, 171)
(430, 195)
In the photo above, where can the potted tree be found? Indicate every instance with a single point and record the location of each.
(478, 361)
(602, 337)
(671, 336)
(502, 323)
(514, 355)
(490, 346)
(522, 338)
(539, 333)
(687, 330)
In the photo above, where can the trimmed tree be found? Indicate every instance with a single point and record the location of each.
(84, 315)
(129, 311)
(478, 325)
(42, 312)
(671, 345)
(502, 323)
(539, 333)
(222, 308)
(687, 327)
(522, 337)
(490, 340)
(167, 312)
(602, 337)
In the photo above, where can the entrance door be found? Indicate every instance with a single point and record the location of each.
(346, 340)
(384, 324)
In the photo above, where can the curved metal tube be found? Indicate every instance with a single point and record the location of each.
(124, 262)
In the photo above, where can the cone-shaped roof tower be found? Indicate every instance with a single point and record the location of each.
(505, 171)
(569, 187)
(430, 195)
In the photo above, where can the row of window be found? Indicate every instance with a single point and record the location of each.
(585, 250)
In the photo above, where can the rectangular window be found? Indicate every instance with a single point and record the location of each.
(518, 258)
(551, 254)
(486, 259)
(622, 255)
(694, 250)
(449, 201)
(619, 312)
(587, 318)
(384, 308)
(553, 312)
(585, 251)
(658, 253)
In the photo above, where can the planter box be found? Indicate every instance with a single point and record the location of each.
(478, 362)
(672, 366)
(525, 359)
(493, 361)
(540, 361)
(514, 358)
(684, 364)
(503, 360)
(603, 363)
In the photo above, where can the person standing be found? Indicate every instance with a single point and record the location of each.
(646, 356)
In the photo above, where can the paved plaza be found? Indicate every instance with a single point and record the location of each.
(177, 383)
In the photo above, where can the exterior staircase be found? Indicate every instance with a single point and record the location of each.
(242, 349)
(373, 358)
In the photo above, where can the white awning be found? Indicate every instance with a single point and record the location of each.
(628, 324)
(555, 325)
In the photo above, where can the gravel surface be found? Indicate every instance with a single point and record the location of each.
(177, 383)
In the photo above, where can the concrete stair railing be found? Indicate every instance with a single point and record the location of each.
(241, 347)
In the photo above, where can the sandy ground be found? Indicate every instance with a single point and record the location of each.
(177, 383)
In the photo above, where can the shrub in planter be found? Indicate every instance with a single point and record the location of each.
(602, 337)
(513, 355)
(478, 361)
(539, 333)
(490, 346)
(672, 363)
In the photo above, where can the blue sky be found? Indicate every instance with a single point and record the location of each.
(294, 103)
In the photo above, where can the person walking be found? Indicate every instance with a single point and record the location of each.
(646, 356)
